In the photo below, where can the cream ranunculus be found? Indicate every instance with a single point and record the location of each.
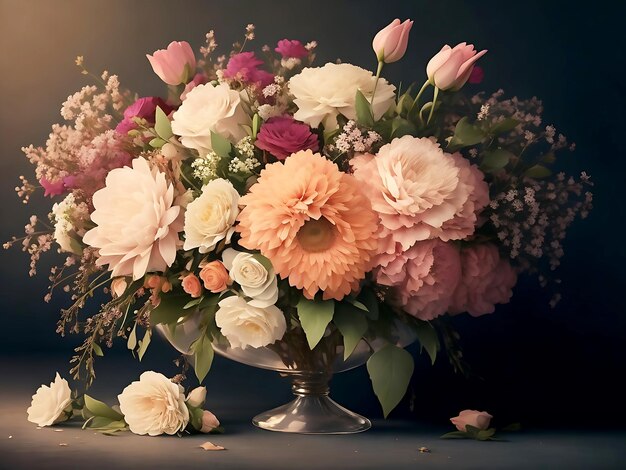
(209, 109)
(247, 326)
(255, 280)
(210, 218)
(51, 404)
(154, 405)
(324, 92)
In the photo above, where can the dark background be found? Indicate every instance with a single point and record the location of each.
(541, 366)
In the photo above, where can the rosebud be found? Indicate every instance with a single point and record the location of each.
(477, 419)
(390, 42)
(450, 68)
(174, 65)
(197, 397)
(118, 286)
(209, 422)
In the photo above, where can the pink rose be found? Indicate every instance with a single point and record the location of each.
(282, 136)
(174, 65)
(477, 75)
(390, 43)
(244, 67)
(477, 419)
(450, 68)
(144, 108)
(209, 422)
(52, 188)
(291, 48)
(215, 277)
(191, 285)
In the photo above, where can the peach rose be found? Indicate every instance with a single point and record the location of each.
(215, 276)
(477, 419)
(191, 285)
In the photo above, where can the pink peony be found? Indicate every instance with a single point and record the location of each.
(52, 188)
(282, 136)
(291, 48)
(137, 223)
(423, 277)
(244, 68)
(144, 108)
(486, 280)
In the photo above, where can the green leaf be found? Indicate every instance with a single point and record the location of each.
(144, 343)
(390, 371)
(428, 338)
(364, 114)
(193, 303)
(256, 125)
(202, 357)
(170, 309)
(132, 338)
(485, 434)
(266, 263)
(100, 409)
(466, 134)
(162, 125)
(537, 171)
(370, 301)
(357, 304)
(157, 143)
(315, 315)
(400, 127)
(97, 349)
(495, 159)
(506, 125)
(195, 417)
(352, 324)
(220, 145)
(456, 435)
(329, 135)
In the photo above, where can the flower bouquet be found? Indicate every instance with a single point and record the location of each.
(305, 219)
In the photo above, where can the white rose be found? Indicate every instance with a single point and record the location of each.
(209, 109)
(197, 397)
(51, 405)
(255, 280)
(154, 405)
(210, 218)
(322, 93)
(244, 325)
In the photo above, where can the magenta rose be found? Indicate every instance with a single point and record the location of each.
(291, 49)
(245, 68)
(282, 136)
(143, 108)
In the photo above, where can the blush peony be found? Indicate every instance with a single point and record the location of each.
(322, 93)
(314, 224)
(137, 223)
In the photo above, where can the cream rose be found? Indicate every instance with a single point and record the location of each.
(255, 280)
(154, 405)
(197, 397)
(245, 325)
(322, 93)
(210, 218)
(209, 109)
(51, 405)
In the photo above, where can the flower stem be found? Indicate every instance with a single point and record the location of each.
(433, 107)
(419, 95)
(378, 70)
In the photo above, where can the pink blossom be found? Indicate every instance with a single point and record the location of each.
(174, 65)
(390, 43)
(477, 419)
(486, 280)
(282, 136)
(144, 108)
(52, 188)
(198, 79)
(244, 67)
(451, 67)
(291, 48)
(477, 75)
(423, 277)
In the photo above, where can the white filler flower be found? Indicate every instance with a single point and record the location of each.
(256, 280)
(51, 404)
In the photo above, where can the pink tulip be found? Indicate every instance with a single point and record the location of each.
(391, 41)
(450, 68)
(477, 419)
(174, 65)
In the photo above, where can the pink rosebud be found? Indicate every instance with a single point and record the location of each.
(52, 188)
(244, 67)
(477, 419)
(477, 75)
(144, 108)
(191, 285)
(209, 422)
(282, 136)
(391, 41)
(291, 49)
(450, 68)
(175, 64)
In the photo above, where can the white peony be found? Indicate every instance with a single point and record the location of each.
(209, 109)
(210, 218)
(244, 325)
(137, 221)
(51, 405)
(255, 280)
(154, 405)
(322, 93)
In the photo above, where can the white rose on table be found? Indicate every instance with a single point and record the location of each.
(154, 405)
(247, 326)
(51, 405)
(209, 109)
(255, 279)
(210, 218)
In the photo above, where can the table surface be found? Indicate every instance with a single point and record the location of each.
(389, 444)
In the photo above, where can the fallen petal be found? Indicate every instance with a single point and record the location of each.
(210, 446)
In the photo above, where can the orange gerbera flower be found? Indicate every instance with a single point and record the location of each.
(313, 222)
